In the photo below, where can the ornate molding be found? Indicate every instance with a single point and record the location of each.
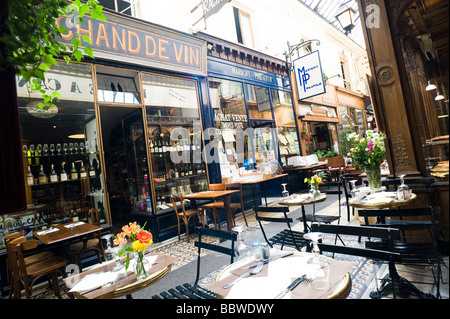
(385, 74)
(399, 151)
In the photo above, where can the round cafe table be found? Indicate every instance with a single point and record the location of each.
(274, 281)
(390, 202)
(302, 200)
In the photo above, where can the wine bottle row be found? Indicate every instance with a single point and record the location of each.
(55, 174)
(164, 145)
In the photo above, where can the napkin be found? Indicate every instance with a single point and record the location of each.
(51, 230)
(74, 224)
(95, 280)
(299, 199)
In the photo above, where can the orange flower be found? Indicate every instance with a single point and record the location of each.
(120, 240)
(131, 228)
(144, 237)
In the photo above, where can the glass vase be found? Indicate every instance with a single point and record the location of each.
(314, 190)
(141, 266)
(374, 177)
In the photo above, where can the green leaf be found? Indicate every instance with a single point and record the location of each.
(89, 51)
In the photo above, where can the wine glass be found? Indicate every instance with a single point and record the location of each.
(52, 149)
(58, 148)
(241, 251)
(32, 149)
(65, 148)
(75, 147)
(284, 193)
(318, 265)
(70, 147)
(25, 150)
(45, 148)
(39, 149)
(87, 147)
(81, 147)
(403, 191)
(353, 190)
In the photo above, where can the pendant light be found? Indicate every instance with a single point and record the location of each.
(430, 86)
(439, 97)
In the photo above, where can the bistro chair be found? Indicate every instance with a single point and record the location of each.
(329, 188)
(239, 205)
(217, 205)
(28, 259)
(85, 245)
(185, 214)
(286, 237)
(419, 241)
(336, 166)
(347, 188)
(23, 273)
(188, 291)
(387, 235)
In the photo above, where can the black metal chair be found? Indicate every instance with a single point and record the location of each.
(419, 244)
(325, 188)
(387, 235)
(346, 187)
(286, 237)
(188, 291)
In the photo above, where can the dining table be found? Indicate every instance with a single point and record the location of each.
(224, 196)
(381, 200)
(278, 272)
(105, 281)
(302, 200)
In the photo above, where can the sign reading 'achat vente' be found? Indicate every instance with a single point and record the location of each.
(140, 43)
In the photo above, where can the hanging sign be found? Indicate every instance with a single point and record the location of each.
(309, 76)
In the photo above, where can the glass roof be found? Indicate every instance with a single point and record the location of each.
(328, 10)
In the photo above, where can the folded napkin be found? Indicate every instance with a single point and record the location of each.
(298, 198)
(95, 280)
(74, 224)
(50, 230)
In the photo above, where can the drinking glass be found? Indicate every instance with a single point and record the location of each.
(81, 147)
(52, 149)
(32, 149)
(39, 149)
(65, 148)
(25, 150)
(353, 190)
(58, 148)
(318, 265)
(75, 147)
(403, 191)
(45, 148)
(284, 193)
(70, 147)
(241, 251)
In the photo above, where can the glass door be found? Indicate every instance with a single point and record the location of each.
(264, 141)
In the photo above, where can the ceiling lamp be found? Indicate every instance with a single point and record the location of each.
(439, 97)
(345, 18)
(430, 86)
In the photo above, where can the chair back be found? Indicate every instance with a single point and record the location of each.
(16, 260)
(177, 199)
(387, 234)
(217, 187)
(418, 185)
(222, 235)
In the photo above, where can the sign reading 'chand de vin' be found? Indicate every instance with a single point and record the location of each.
(132, 41)
(309, 76)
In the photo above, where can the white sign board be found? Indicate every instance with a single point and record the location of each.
(308, 75)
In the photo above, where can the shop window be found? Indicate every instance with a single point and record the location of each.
(345, 77)
(60, 149)
(258, 101)
(286, 124)
(243, 27)
(345, 119)
(121, 6)
(230, 118)
(175, 136)
(120, 87)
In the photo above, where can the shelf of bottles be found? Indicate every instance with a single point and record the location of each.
(58, 169)
(169, 176)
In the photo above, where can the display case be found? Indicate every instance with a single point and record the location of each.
(436, 157)
(174, 138)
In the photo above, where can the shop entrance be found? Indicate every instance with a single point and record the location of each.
(321, 136)
(126, 166)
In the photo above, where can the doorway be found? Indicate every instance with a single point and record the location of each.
(126, 165)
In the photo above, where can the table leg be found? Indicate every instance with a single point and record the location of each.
(305, 224)
(399, 285)
(228, 212)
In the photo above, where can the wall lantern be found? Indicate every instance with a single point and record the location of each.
(345, 18)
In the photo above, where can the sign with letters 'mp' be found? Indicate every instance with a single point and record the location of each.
(309, 77)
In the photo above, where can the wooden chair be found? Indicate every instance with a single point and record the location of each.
(286, 237)
(23, 272)
(217, 205)
(185, 214)
(29, 260)
(387, 235)
(335, 167)
(240, 204)
(188, 291)
(94, 244)
(420, 238)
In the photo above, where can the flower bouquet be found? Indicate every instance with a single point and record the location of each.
(314, 183)
(369, 152)
(140, 239)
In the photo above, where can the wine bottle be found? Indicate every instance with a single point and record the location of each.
(152, 147)
(74, 216)
(53, 176)
(63, 176)
(91, 170)
(190, 169)
(73, 172)
(42, 176)
(83, 172)
(30, 177)
(35, 220)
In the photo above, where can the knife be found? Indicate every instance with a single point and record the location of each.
(291, 286)
(271, 259)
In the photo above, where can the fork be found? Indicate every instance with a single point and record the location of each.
(247, 274)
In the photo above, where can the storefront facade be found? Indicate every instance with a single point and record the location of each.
(125, 135)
